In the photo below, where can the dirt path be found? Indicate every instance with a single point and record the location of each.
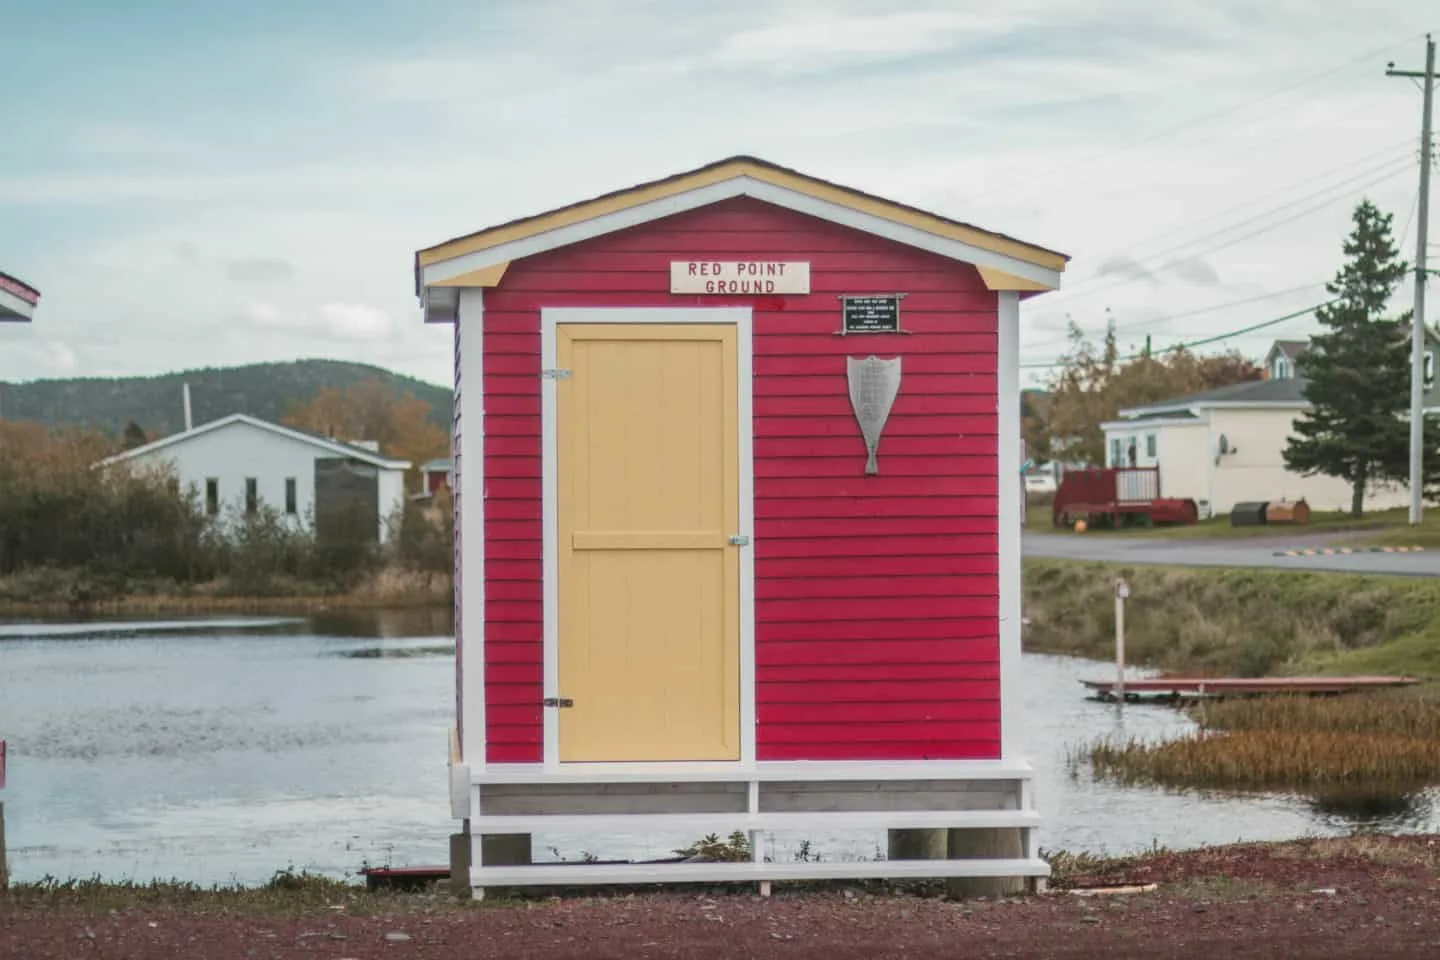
(1371, 898)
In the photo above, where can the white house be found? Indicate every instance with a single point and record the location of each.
(238, 462)
(1224, 446)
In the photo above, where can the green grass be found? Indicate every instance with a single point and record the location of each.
(1237, 622)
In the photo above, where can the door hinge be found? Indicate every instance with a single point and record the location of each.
(557, 374)
(739, 540)
(559, 702)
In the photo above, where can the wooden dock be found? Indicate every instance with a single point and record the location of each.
(1180, 686)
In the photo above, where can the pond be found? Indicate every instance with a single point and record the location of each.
(219, 750)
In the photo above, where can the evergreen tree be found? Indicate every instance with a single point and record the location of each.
(134, 436)
(1358, 371)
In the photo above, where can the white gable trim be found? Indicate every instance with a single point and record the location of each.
(13, 307)
(715, 193)
(1111, 426)
(329, 446)
(1198, 408)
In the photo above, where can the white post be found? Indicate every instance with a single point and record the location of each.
(1122, 590)
(185, 393)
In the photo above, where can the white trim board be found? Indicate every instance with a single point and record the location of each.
(470, 488)
(1111, 426)
(768, 771)
(1007, 393)
(714, 193)
(580, 873)
(741, 318)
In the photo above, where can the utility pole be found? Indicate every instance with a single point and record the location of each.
(1417, 319)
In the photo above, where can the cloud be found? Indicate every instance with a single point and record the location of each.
(829, 42)
(1127, 268)
(260, 270)
(357, 321)
(279, 219)
(1195, 270)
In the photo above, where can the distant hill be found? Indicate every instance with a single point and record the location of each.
(264, 390)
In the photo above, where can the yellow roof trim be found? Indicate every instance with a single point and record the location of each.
(484, 277)
(728, 170)
(1000, 280)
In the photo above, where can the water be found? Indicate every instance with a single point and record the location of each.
(221, 750)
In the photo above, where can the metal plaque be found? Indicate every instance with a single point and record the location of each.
(873, 386)
(870, 314)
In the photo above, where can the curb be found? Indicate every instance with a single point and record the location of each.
(1345, 551)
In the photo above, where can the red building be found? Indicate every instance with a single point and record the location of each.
(732, 537)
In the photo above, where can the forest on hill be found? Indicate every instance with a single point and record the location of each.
(270, 391)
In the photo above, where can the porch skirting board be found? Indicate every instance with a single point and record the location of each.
(826, 798)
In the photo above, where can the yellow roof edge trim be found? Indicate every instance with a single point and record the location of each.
(1000, 280)
(484, 277)
(728, 170)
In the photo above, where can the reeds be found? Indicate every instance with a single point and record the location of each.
(1386, 715)
(1349, 752)
(1289, 760)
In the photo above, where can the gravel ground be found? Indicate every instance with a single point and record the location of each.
(1364, 897)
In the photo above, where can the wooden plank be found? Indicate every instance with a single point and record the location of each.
(638, 873)
(721, 823)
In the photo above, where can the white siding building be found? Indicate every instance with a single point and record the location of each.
(1225, 446)
(236, 463)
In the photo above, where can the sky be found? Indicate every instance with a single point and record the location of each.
(199, 184)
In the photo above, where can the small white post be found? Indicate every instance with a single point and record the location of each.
(185, 397)
(1122, 591)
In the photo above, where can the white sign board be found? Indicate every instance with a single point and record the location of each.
(739, 276)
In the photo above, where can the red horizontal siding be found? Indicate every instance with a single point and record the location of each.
(876, 595)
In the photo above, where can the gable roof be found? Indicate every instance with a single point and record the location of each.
(1290, 349)
(479, 259)
(335, 447)
(18, 299)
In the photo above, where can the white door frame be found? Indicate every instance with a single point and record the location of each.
(742, 319)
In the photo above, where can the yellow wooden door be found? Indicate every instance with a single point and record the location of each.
(649, 583)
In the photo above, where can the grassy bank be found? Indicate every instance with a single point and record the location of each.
(1237, 622)
(58, 593)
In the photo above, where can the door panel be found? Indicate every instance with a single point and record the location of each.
(649, 627)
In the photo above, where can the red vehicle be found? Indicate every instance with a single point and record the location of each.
(1117, 496)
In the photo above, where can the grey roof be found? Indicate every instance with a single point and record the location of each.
(436, 465)
(1291, 390)
(1260, 392)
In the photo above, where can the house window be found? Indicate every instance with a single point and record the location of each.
(290, 505)
(1150, 445)
(1280, 369)
(1117, 452)
(212, 496)
(252, 495)
(1429, 368)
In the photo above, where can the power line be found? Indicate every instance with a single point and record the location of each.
(1193, 123)
(1207, 340)
(1214, 308)
(1317, 200)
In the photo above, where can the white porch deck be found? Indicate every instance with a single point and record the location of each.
(702, 799)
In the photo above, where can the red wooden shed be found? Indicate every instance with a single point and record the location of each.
(733, 549)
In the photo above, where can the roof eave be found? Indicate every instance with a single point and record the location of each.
(1026, 268)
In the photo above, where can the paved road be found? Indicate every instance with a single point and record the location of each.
(1227, 553)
